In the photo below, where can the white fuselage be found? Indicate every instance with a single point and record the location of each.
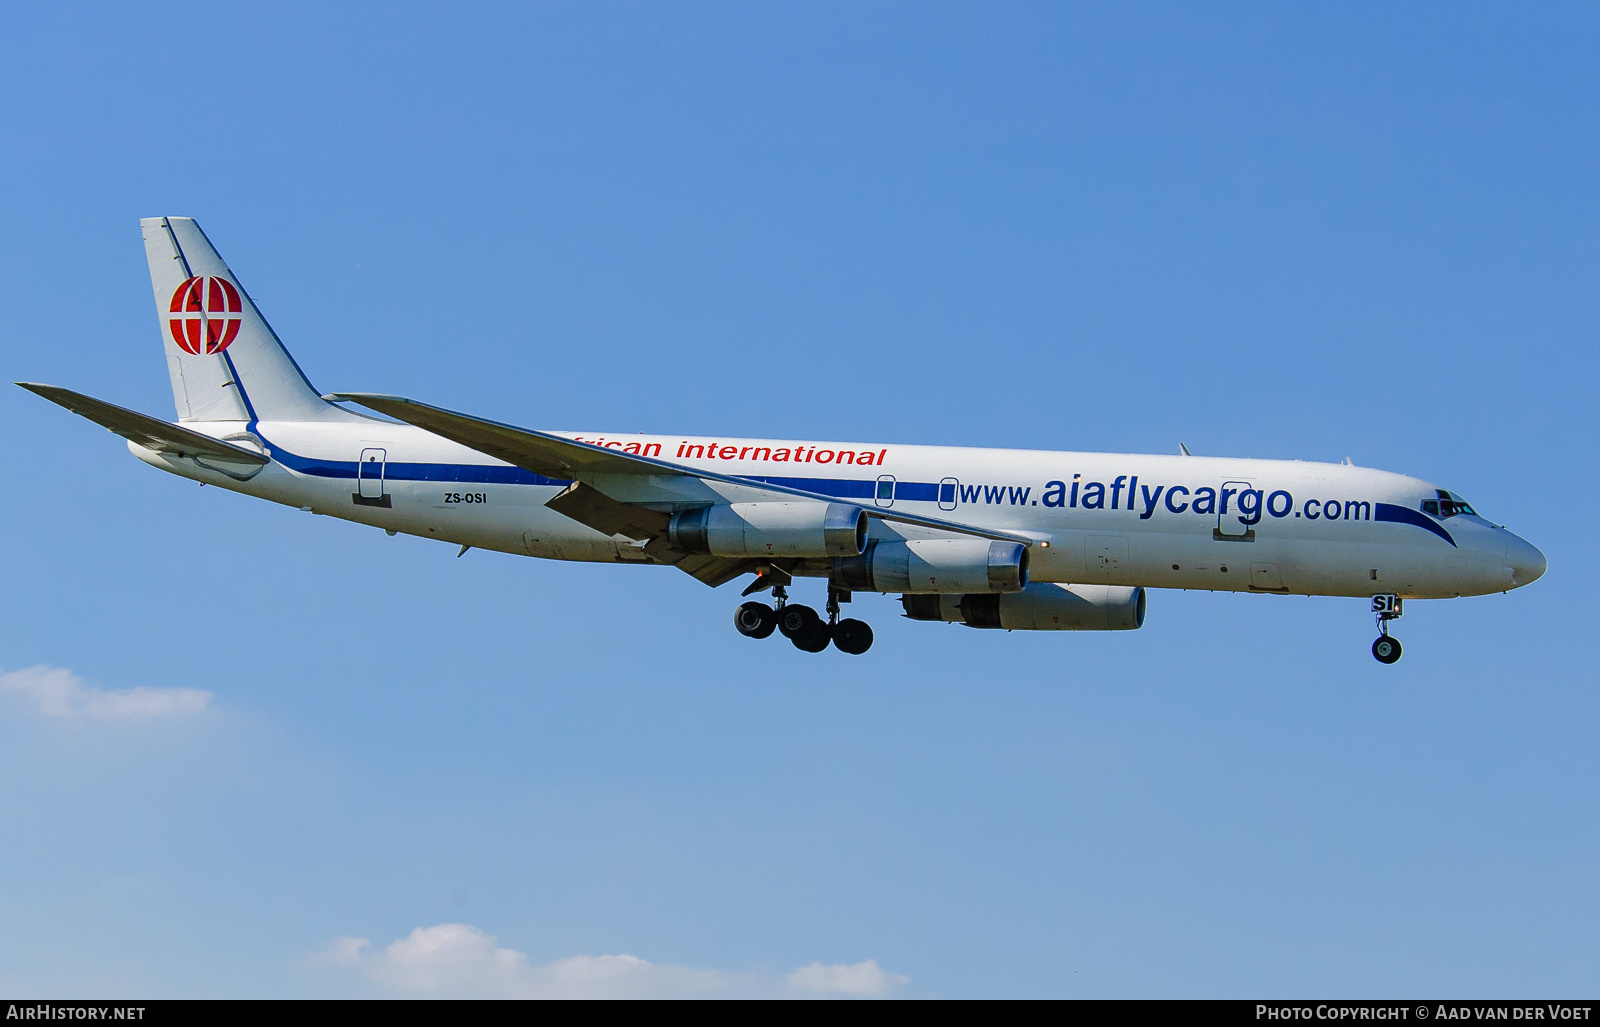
(1278, 526)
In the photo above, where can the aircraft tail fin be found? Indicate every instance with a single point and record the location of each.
(226, 362)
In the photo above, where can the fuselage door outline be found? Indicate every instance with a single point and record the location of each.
(369, 474)
(1230, 528)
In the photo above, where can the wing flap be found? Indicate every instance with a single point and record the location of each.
(715, 570)
(591, 507)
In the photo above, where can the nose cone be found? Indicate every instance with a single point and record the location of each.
(1526, 562)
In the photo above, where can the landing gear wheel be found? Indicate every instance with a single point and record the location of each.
(755, 620)
(1386, 649)
(852, 636)
(815, 638)
(795, 620)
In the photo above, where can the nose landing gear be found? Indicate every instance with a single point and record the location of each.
(801, 624)
(1386, 649)
(1386, 608)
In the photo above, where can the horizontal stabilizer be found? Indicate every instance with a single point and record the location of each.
(144, 430)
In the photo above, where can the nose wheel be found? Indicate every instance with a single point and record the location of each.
(1386, 649)
(801, 624)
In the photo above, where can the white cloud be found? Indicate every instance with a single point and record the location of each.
(342, 951)
(57, 692)
(865, 978)
(461, 961)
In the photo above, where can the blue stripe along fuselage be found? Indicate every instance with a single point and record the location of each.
(491, 474)
(477, 474)
(838, 488)
(1406, 515)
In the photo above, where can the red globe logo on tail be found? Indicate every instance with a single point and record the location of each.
(206, 314)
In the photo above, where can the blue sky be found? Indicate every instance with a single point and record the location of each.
(1284, 231)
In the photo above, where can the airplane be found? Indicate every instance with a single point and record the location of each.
(991, 538)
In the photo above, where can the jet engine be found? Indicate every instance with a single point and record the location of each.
(935, 566)
(1043, 606)
(802, 529)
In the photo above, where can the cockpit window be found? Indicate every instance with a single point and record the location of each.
(1447, 505)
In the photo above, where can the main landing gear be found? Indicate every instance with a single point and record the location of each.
(1386, 608)
(802, 626)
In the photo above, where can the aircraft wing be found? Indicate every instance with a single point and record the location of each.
(536, 451)
(556, 457)
(149, 432)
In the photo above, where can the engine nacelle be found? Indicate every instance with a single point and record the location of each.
(1040, 607)
(800, 529)
(936, 565)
